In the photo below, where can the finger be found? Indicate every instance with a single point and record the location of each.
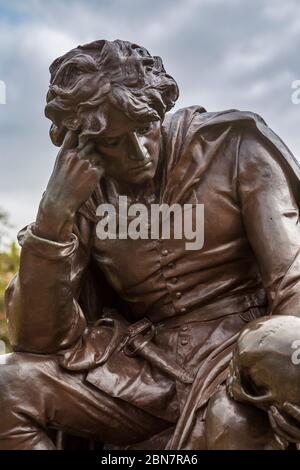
(86, 150)
(293, 410)
(70, 142)
(276, 428)
(97, 172)
(283, 443)
(89, 153)
(291, 431)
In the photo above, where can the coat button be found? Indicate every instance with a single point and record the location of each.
(183, 310)
(171, 265)
(178, 295)
(165, 252)
(174, 280)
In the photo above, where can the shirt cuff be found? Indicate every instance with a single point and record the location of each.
(46, 248)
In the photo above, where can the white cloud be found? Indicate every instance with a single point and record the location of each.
(224, 54)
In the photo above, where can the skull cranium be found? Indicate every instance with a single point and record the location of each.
(264, 370)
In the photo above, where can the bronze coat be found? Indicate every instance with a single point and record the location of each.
(248, 182)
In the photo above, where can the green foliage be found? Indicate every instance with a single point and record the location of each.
(9, 265)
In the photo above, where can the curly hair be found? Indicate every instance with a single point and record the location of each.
(90, 78)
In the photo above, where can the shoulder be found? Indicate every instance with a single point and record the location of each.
(257, 143)
(191, 120)
(265, 164)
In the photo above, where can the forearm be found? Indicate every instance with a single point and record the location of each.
(43, 316)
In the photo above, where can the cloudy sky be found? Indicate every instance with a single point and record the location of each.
(223, 54)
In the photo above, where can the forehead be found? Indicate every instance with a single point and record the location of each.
(118, 123)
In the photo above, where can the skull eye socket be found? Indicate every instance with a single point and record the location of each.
(250, 387)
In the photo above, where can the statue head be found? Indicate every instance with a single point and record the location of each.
(115, 94)
(264, 370)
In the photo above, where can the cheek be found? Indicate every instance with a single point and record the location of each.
(115, 166)
(113, 161)
(155, 153)
(153, 145)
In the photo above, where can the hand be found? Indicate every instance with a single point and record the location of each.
(75, 176)
(286, 421)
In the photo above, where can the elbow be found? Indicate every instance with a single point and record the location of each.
(22, 334)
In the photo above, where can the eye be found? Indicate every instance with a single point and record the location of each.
(111, 142)
(144, 130)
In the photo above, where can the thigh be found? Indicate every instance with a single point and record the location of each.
(230, 425)
(37, 387)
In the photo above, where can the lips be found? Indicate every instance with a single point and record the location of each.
(145, 166)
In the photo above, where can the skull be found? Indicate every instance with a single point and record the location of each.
(265, 368)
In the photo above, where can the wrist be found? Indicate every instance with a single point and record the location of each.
(45, 248)
(54, 223)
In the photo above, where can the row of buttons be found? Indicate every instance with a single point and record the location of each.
(173, 280)
(183, 341)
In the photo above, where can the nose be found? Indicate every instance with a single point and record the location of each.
(138, 150)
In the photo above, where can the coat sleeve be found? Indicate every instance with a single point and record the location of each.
(271, 219)
(42, 308)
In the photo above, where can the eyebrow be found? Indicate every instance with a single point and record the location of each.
(138, 127)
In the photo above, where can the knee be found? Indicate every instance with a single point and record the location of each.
(231, 425)
(9, 379)
(20, 375)
(14, 375)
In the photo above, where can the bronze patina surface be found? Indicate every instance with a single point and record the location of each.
(131, 342)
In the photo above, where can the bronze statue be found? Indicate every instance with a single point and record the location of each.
(130, 341)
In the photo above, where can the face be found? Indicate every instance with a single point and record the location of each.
(129, 151)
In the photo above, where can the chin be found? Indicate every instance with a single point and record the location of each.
(142, 178)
